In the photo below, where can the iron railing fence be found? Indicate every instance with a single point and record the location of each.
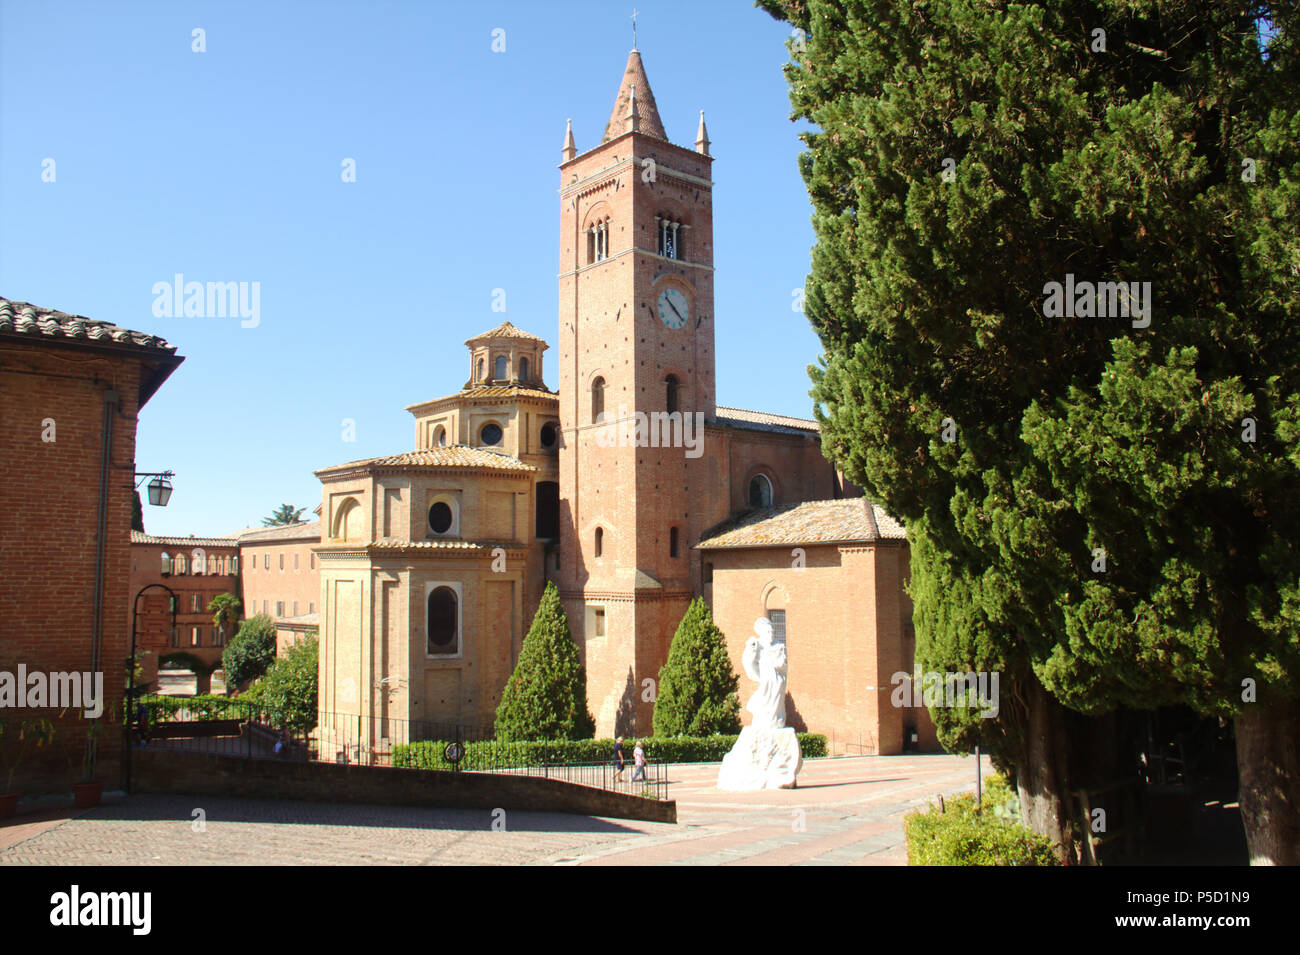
(254, 731)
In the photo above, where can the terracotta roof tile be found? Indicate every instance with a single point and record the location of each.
(506, 330)
(23, 318)
(303, 530)
(140, 538)
(451, 456)
(762, 421)
(811, 522)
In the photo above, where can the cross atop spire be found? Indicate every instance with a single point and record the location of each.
(634, 28)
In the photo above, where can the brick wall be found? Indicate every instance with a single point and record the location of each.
(48, 531)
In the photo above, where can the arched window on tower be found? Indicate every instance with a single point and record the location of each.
(597, 400)
(673, 387)
(502, 370)
(600, 540)
(760, 491)
(478, 376)
(523, 369)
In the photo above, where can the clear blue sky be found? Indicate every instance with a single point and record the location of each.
(225, 166)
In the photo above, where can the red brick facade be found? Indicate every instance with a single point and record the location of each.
(66, 382)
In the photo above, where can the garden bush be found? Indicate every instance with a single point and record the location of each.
(964, 835)
(499, 755)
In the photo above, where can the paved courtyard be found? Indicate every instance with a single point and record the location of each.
(845, 812)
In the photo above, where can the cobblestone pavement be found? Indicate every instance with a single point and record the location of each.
(845, 812)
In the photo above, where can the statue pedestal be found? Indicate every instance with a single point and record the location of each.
(762, 759)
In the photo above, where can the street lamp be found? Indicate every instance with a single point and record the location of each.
(160, 492)
(160, 488)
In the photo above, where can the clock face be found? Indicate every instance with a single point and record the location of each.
(673, 308)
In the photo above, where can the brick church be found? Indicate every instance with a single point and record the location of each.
(630, 488)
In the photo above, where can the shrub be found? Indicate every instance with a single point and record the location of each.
(250, 651)
(963, 835)
(206, 706)
(546, 696)
(499, 755)
(289, 688)
(697, 685)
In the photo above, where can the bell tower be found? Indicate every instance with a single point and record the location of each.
(636, 340)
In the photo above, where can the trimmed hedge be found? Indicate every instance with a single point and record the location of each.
(963, 835)
(206, 706)
(498, 755)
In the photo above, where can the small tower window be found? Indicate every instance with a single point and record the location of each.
(673, 387)
(491, 434)
(670, 238)
(439, 437)
(600, 540)
(597, 400)
(598, 241)
(550, 435)
(442, 622)
(523, 369)
(502, 370)
(478, 376)
(674, 548)
(760, 491)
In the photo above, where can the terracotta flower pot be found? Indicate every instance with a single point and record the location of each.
(8, 803)
(87, 795)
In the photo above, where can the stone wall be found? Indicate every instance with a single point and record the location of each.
(205, 774)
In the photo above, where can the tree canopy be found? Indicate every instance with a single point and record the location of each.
(1100, 493)
(696, 694)
(546, 696)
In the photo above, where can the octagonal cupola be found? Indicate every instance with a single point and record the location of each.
(505, 355)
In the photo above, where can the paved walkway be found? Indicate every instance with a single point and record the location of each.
(845, 812)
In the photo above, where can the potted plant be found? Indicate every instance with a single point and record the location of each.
(87, 793)
(31, 736)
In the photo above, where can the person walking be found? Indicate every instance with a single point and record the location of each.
(638, 761)
(619, 763)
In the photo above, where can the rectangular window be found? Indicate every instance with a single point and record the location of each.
(674, 550)
(778, 624)
(311, 608)
(266, 561)
(313, 561)
(599, 618)
(279, 608)
(194, 636)
(263, 606)
(295, 561)
(196, 603)
(282, 561)
(295, 608)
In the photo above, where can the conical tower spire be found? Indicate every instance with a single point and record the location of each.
(570, 148)
(702, 137)
(634, 78)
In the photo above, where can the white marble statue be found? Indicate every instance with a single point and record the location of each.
(766, 755)
(765, 663)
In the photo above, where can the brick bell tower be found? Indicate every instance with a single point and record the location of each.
(635, 346)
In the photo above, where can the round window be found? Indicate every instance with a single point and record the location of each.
(491, 434)
(440, 517)
(549, 434)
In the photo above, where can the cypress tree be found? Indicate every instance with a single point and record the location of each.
(697, 685)
(546, 696)
(1103, 508)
